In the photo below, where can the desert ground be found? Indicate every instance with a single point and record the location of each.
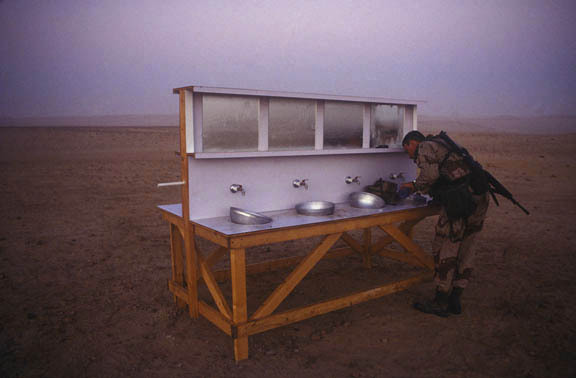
(85, 259)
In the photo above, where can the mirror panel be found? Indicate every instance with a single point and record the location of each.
(386, 125)
(343, 124)
(291, 124)
(229, 123)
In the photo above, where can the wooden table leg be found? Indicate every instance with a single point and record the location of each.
(177, 260)
(239, 303)
(367, 247)
(191, 270)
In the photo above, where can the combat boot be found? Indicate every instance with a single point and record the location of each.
(454, 304)
(438, 306)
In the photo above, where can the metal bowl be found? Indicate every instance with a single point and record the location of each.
(365, 200)
(315, 208)
(241, 216)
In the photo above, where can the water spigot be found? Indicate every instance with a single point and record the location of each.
(298, 183)
(350, 180)
(235, 188)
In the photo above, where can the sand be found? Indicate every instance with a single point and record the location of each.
(84, 261)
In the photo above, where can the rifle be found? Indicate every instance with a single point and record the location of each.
(492, 185)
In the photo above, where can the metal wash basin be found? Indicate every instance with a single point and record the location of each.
(241, 216)
(365, 200)
(315, 208)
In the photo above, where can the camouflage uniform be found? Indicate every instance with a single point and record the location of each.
(452, 244)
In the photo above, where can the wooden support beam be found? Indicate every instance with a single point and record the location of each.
(239, 303)
(215, 256)
(173, 219)
(408, 227)
(187, 227)
(178, 290)
(352, 242)
(407, 243)
(214, 289)
(367, 248)
(211, 235)
(191, 270)
(291, 316)
(282, 291)
(215, 317)
(271, 265)
(176, 251)
(382, 243)
(276, 236)
(402, 257)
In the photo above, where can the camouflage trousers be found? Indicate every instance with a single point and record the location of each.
(452, 247)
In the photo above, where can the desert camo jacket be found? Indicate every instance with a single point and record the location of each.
(429, 158)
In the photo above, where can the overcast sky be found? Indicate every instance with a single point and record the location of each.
(95, 57)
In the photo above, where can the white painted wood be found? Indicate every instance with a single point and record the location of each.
(263, 116)
(198, 115)
(263, 154)
(268, 182)
(409, 121)
(367, 119)
(313, 96)
(319, 127)
(189, 119)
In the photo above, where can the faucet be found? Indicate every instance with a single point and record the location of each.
(298, 183)
(350, 180)
(235, 188)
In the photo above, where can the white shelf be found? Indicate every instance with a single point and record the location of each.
(252, 154)
(310, 96)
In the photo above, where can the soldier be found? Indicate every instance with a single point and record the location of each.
(444, 175)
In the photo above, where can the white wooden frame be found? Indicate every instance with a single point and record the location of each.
(193, 100)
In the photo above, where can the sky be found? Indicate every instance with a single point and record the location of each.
(463, 57)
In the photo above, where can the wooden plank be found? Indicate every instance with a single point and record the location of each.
(285, 288)
(178, 290)
(177, 260)
(239, 303)
(214, 289)
(271, 265)
(187, 229)
(215, 256)
(295, 315)
(216, 318)
(352, 242)
(408, 227)
(300, 232)
(173, 219)
(402, 257)
(367, 245)
(211, 235)
(382, 243)
(407, 243)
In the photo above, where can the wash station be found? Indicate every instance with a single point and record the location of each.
(263, 167)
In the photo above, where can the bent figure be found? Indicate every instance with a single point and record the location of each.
(446, 177)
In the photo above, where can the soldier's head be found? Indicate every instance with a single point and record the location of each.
(411, 141)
